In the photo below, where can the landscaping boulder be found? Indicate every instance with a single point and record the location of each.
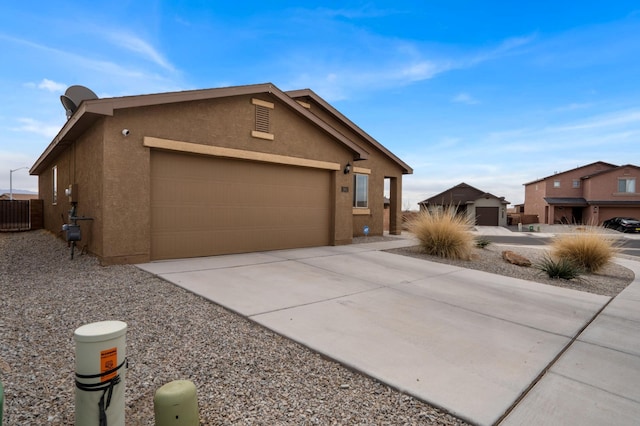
(515, 258)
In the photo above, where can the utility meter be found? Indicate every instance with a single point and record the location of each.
(72, 193)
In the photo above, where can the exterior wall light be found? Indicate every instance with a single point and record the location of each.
(347, 168)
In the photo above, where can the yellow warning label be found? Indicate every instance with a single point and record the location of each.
(108, 361)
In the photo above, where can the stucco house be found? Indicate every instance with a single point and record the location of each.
(216, 171)
(486, 208)
(588, 194)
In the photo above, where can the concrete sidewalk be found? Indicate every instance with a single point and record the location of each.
(470, 342)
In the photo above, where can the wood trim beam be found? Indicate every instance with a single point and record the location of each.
(217, 151)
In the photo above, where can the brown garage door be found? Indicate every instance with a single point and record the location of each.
(203, 206)
(487, 216)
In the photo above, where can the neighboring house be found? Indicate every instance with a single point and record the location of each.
(19, 196)
(487, 209)
(589, 194)
(216, 171)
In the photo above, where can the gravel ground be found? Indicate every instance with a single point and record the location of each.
(244, 373)
(610, 281)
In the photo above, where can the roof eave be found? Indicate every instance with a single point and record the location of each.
(84, 117)
(406, 169)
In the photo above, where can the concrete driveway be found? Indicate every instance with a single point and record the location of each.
(484, 347)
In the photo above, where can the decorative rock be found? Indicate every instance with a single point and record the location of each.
(515, 258)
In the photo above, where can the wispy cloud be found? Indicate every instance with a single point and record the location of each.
(137, 45)
(464, 98)
(388, 62)
(48, 85)
(365, 11)
(573, 107)
(627, 117)
(137, 79)
(31, 125)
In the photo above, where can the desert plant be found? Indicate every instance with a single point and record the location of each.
(588, 250)
(444, 233)
(482, 242)
(558, 268)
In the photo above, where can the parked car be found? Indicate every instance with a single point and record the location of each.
(622, 224)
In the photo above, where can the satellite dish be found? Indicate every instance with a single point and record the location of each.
(69, 106)
(74, 96)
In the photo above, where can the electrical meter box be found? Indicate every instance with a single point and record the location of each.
(72, 193)
(72, 232)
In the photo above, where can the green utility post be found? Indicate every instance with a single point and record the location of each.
(176, 403)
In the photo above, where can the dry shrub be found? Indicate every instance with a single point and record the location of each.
(589, 250)
(444, 233)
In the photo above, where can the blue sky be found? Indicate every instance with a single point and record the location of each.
(494, 94)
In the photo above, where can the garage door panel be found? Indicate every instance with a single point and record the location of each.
(205, 206)
(487, 216)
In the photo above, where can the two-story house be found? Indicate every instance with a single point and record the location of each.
(588, 194)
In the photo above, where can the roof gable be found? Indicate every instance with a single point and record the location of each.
(89, 111)
(607, 166)
(612, 170)
(459, 194)
(308, 95)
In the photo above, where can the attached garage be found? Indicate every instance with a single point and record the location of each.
(203, 206)
(608, 212)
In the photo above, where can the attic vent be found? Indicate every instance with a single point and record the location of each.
(262, 119)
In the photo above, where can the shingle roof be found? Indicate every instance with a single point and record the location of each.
(566, 201)
(460, 194)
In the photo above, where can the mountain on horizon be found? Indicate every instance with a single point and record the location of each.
(16, 191)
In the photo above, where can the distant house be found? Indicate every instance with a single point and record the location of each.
(216, 171)
(588, 194)
(487, 209)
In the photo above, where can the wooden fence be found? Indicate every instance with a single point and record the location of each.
(21, 215)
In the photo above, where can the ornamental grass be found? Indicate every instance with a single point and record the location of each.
(590, 250)
(444, 233)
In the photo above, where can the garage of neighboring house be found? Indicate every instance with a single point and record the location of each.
(487, 216)
(203, 206)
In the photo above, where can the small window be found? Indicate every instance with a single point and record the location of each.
(556, 184)
(627, 185)
(361, 190)
(54, 186)
(576, 183)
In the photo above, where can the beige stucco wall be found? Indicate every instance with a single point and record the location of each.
(79, 163)
(381, 167)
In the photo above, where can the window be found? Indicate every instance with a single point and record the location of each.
(627, 185)
(556, 184)
(54, 187)
(361, 189)
(576, 183)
